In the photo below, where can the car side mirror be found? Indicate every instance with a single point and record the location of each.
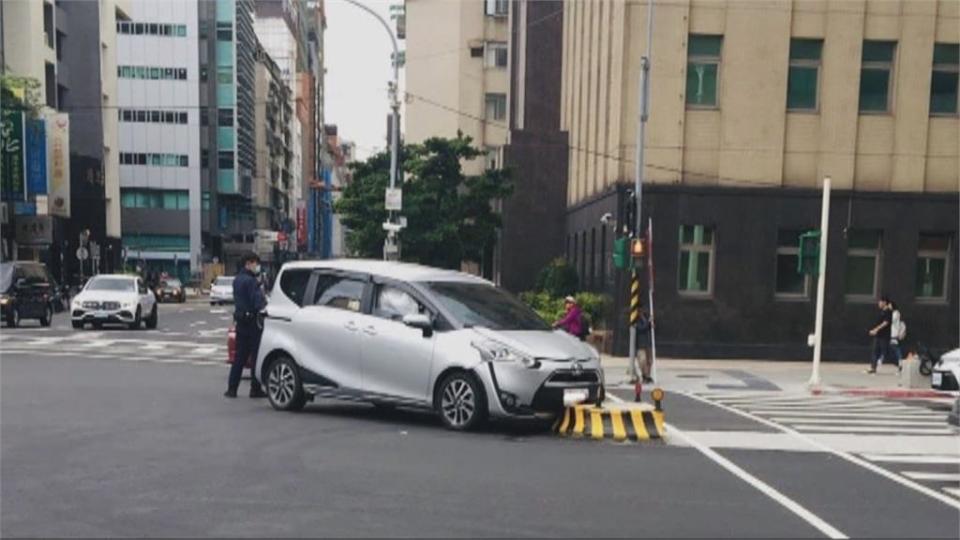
(21, 283)
(421, 321)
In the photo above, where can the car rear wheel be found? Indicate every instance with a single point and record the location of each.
(13, 318)
(461, 402)
(284, 389)
(47, 316)
(152, 320)
(135, 325)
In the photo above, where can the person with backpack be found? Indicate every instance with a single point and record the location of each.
(572, 321)
(898, 333)
(881, 333)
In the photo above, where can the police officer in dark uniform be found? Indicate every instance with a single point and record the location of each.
(248, 301)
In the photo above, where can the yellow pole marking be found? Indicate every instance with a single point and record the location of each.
(658, 420)
(616, 418)
(566, 420)
(578, 423)
(638, 425)
(596, 423)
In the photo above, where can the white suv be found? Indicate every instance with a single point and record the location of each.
(405, 335)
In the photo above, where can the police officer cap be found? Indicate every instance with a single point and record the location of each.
(249, 256)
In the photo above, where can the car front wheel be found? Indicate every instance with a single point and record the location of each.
(461, 402)
(13, 318)
(47, 316)
(135, 325)
(151, 321)
(284, 389)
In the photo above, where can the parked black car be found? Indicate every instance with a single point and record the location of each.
(27, 291)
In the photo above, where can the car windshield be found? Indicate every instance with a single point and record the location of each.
(111, 284)
(475, 304)
(6, 276)
(172, 283)
(223, 282)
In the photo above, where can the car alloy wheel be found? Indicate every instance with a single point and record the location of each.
(283, 386)
(461, 402)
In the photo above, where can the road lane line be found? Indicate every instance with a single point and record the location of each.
(936, 477)
(873, 429)
(949, 501)
(914, 459)
(892, 422)
(760, 485)
(931, 415)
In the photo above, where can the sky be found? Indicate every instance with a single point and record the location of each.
(358, 51)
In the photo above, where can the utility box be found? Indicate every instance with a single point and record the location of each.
(910, 376)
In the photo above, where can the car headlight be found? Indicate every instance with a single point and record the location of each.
(492, 351)
(4, 300)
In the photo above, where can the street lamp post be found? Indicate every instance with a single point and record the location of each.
(391, 245)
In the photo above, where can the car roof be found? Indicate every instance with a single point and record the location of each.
(395, 270)
(119, 276)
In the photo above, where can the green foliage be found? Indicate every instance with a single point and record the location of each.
(450, 218)
(21, 93)
(559, 278)
(551, 308)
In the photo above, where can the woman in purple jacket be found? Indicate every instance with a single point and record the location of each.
(572, 320)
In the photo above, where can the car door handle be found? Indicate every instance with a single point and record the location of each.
(370, 331)
(351, 326)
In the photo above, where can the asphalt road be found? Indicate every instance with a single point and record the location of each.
(97, 444)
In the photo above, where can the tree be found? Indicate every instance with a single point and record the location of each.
(450, 217)
(21, 93)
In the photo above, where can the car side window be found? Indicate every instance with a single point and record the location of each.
(394, 304)
(339, 292)
(293, 283)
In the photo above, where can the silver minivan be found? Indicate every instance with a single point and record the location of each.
(404, 335)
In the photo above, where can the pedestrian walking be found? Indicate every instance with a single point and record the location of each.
(881, 335)
(644, 328)
(248, 302)
(572, 320)
(898, 334)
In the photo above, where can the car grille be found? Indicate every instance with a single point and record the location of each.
(571, 376)
(91, 304)
(111, 305)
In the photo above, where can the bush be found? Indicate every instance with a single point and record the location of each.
(558, 278)
(551, 308)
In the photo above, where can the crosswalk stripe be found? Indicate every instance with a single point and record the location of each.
(831, 414)
(953, 491)
(892, 422)
(914, 459)
(935, 477)
(850, 409)
(872, 429)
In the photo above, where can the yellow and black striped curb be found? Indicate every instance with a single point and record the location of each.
(618, 423)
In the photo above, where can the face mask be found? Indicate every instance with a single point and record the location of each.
(255, 269)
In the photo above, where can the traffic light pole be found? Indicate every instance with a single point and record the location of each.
(821, 281)
(643, 104)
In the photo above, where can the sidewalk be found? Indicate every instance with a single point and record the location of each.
(677, 374)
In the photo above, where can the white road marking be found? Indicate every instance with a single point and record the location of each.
(862, 421)
(953, 491)
(873, 429)
(847, 456)
(800, 413)
(206, 350)
(760, 485)
(936, 477)
(914, 459)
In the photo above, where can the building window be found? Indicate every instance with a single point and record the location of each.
(492, 157)
(225, 117)
(205, 201)
(496, 8)
(863, 265)
(496, 56)
(160, 199)
(696, 260)
(48, 30)
(204, 116)
(50, 80)
(943, 83)
(204, 158)
(496, 106)
(224, 31)
(154, 160)
(932, 267)
(790, 283)
(476, 52)
(703, 70)
(876, 72)
(225, 159)
(225, 74)
(804, 75)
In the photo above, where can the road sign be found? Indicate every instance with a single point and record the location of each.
(394, 199)
(82, 253)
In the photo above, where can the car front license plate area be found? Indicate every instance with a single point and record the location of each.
(936, 379)
(574, 396)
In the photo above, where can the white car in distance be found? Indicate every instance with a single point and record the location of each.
(117, 299)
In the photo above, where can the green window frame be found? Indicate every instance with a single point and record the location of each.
(803, 78)
(876, 76)
(790, 284)
(181, 30)
(154, 73)
(128, 198)
(944, 79)
(205, 201)
(696, 266)
(933, 267)
(862, 273)
(703, 70)
(225, 74)
(169, 200)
